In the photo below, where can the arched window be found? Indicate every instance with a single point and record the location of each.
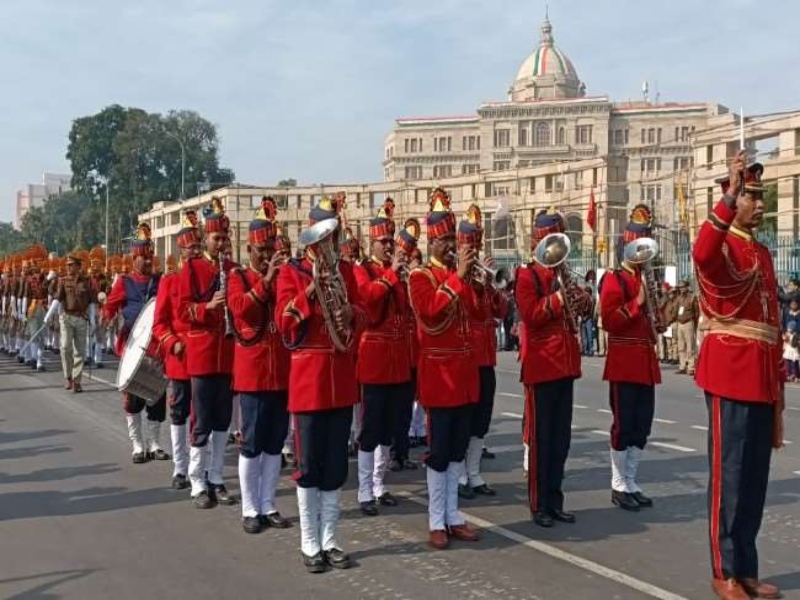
(562, 136)
(543, 134)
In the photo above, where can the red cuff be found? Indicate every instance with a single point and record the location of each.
(722, 215)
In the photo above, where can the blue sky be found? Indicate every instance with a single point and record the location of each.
(308, 89)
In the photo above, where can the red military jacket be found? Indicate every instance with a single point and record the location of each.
(444, 305)
(549, 348)
(320, 378)
(384, 354)
(491, 304)
(116, 302)
(261, 361)
(631, 354)
(209, 351)
(742, 349)
(169, 328)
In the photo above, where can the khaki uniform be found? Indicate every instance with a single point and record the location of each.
(686, 319)
(74, 294)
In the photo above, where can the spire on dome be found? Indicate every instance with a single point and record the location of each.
(547, 28)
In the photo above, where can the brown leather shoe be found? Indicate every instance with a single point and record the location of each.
(68, 384)
(438, 539)
(464, 532)
(760, 589)
(729, 589)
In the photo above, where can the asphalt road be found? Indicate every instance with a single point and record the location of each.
(78, 520)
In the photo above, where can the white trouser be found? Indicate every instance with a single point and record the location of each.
(180, 450)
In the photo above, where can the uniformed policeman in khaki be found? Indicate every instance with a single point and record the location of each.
(71, 301)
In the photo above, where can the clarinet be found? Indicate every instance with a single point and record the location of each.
(223, 287)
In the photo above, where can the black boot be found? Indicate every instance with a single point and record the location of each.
(369, 508)
(252, 525)
(465, 492)
(624, 500)
(543, 519)
(179, 482)
(204, 500)
(641, 499)
(560, 515)
(338, 559)
(316, 563)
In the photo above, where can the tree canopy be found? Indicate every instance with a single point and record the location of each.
(135, 156)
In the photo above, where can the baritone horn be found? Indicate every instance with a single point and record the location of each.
(329, 286)
(552, 252)
(642, 251)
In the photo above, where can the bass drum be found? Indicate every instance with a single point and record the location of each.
(140, 372)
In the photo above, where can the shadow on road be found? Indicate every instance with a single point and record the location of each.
(54, 503)
(59, 473)
(31, 451)
(38, 592)
(24, 436)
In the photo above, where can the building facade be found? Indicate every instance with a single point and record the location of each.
(36, 194)
(547, 117)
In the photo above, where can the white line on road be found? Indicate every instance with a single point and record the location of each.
(94, 377)
(601, 432)
(796, 472)
(510, 395)
(787, 442)
(580, 406)
(572, 559)
(604, 410)
(665, 421)
(792, 408)
(672, 447)
(700, 427)
(512, 415)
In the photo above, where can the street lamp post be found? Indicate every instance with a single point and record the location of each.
(183, 163)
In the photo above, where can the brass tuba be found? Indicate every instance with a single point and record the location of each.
(332, 294)
(552, 252)
(642, 251)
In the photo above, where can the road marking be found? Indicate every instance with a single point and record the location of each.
(700, 427)
(792, 408)
(559, 554)
(604, 410)
(512, 415)
(580, 406)
(601, 432)
(672, 447)
(796, 473)
(510, 395)
(94, 377)
(665, 421)
(787, 442)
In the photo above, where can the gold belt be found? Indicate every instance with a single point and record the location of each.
(742, 328)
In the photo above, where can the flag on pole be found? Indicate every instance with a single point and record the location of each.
(591, 216)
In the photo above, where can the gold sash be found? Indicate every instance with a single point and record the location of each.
(742, 328)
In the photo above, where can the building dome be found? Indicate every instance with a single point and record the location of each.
(547, 73)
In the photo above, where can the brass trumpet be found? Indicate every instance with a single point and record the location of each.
(483, 274)
(552, 252)
(641, 252)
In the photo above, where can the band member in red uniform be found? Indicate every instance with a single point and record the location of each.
(740, 369)
(631, 367)
(128, 296)
(209, 359)
(322, 386)
(384, 362)
(406, 243)
(491, 305)
(444, 303)
(170, 330)
(551, 362)
(260, 373)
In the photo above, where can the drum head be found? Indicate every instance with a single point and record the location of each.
(136, 344)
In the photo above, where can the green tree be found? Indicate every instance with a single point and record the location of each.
(11, 240)
(288, 182)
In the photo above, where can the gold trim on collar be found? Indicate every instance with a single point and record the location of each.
(740, 233)
(437, 263)
(628, 268)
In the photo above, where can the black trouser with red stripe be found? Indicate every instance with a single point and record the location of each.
(549, 421)
(739, 451)
(633, 406)
(320, 439)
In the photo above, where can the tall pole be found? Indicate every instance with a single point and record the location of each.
(183, 163)
(108, 184)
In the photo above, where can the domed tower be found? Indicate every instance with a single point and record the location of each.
(547, 73)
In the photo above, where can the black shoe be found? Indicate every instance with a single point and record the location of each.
(396, 465)
(624, 500)
(231, 439)
(369, 508)
(139, 458)
(542, 519)
(31, 364)
(338, 559)
(179, 482)
(40, 369)
(158, 455)
(413, 442)
(98, 365)
(560, 515)
(56, 351)
(274, 520)
(220, 493)
(483, 490)
(387, 500)
(204, 500)
(21, 359)
(252, 525)
(465, 492)
(316, 563)
(486, 453)
(641, 499)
